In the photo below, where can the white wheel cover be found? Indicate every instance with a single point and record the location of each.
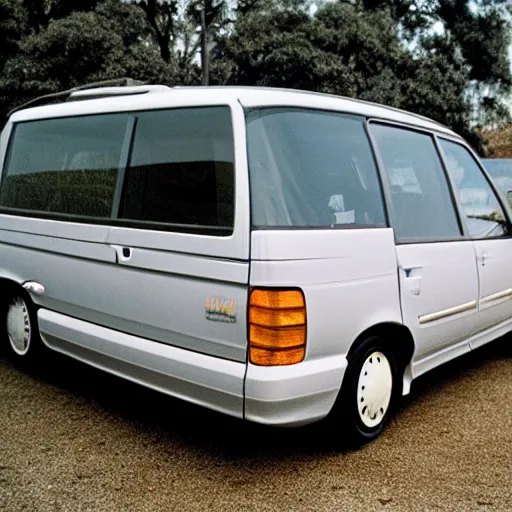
(374, 389)
(18, 326)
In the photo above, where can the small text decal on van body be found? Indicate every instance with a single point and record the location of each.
(221, 310)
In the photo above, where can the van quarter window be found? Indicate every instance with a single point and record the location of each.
(484, 215)
(65, 166)
(421, 205)
(311, 168)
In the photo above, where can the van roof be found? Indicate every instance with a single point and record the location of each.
(118, 99)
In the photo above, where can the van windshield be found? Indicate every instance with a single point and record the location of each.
(311, 168)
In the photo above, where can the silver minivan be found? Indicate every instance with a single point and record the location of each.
(275, 255)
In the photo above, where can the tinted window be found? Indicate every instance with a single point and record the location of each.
(484, 215)
(311, 168)
(66, 166)
(182, 169)
(421, 204)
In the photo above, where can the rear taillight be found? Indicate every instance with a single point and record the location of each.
(277, 327)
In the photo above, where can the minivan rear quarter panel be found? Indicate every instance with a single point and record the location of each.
(349, 279)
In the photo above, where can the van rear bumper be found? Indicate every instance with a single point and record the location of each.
(287, 396)
(204, 380)
(293, 395)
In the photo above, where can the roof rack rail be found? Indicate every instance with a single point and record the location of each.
(106, 92)
(65, 95)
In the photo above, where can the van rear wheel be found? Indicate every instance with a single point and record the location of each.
(367, 397)
(20, 328)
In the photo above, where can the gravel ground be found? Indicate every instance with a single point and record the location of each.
(75, 439)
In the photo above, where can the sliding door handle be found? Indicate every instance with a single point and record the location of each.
(409, 270)
(123, 253)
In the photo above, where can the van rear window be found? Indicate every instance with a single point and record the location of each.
(311, 169)
(167, 169)
(64, 166)
(182, 168)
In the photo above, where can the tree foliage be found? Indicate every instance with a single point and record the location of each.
(446, 59)
(13, 19)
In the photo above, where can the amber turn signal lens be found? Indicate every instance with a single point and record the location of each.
(277, 299)
(263, 357)
(277, 338)
(277, 327)
(276, 318)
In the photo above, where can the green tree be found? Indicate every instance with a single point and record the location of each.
(41, 12)
(444, 58)
(161, 17)
(12, 27)
(80, 48)
(347, 50)
(474, 34)
(283, 55)
(185, 29)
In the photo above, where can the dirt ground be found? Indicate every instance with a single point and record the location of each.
(75, 439)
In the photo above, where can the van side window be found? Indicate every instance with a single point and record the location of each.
(484, 215)
(421, 204)
(311, 168)
(64, 166)
(182, 168)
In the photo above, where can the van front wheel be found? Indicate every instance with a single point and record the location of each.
(368, 392)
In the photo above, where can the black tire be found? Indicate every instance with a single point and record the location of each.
(351, 418)
(20, 330)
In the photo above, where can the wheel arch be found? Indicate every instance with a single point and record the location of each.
(399, 338)
(9, 284)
